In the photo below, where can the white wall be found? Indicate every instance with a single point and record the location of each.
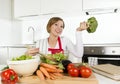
(107, 31)
(16, 32)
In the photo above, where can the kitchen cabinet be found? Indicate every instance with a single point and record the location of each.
(60, 6)
(3, 55)
(100, 4)
(27, 8)
(5, 9)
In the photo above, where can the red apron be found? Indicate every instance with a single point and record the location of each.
(53, 51)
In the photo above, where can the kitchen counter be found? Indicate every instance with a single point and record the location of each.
(103, 45)
(101, 79)
(16, 46)
(105, 80)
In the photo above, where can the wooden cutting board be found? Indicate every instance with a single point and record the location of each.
(65, 79)
(108, 70)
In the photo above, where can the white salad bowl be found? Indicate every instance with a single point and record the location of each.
(24, 67)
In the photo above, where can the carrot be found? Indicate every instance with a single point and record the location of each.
(50, 70)
(53, 70)
(52, 76)
(59, 70)
(40, 75)
(56, 66)
(48, 65)
(58, 74)
(44, 71)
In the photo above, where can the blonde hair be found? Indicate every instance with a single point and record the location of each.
(52, 21)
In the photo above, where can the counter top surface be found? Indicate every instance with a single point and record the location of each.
(105, 80)
(103, 45)
(101, 79)
(85, 45)
(16, 45)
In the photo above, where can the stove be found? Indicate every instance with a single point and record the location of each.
(95, 55)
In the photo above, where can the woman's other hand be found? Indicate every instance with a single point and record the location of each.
(83, 26)
(32, 51)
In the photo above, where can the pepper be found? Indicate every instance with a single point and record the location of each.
(9, 76)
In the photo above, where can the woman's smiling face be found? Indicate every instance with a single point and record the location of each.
(57, 28)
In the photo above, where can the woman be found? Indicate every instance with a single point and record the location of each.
(55, 44)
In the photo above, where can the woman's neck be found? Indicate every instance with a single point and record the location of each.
(52, 40)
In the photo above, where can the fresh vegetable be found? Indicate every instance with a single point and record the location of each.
(9, 76)
(54, 70)
(52, 76)
(22, 57)
(82, 70)
(58, 74)
(51, 68)
(74, 72)
(44, 71)
(65, 64)
(48, 65)
(40, 75)
(85, 72)
(92, 22)
(49, 71)
(53, 58)
(71, 65)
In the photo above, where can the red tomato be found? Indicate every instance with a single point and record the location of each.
(70, 65)
(81, 67)
(85, 72)
(74, 72)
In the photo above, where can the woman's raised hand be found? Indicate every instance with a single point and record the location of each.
(83, 26)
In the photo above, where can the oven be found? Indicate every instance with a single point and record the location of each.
(94, 55)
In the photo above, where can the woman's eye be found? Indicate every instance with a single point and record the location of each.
(58, 25)
(55, 24)
(61, 26)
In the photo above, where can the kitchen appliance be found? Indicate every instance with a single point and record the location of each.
(102, 54)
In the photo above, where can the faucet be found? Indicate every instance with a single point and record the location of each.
(33, 33)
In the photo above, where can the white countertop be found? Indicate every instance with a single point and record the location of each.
(105, 80)
(16, 45)
(103, 45)
(101, 79)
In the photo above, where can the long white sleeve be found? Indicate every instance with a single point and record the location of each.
(77, 49)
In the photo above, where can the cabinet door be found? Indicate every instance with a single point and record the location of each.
(60, 6)
(3, 55)
(26, 8)
(98, 4)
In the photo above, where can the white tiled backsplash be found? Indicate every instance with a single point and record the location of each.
(8, 52)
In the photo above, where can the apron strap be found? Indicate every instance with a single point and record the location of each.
(59, 42)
